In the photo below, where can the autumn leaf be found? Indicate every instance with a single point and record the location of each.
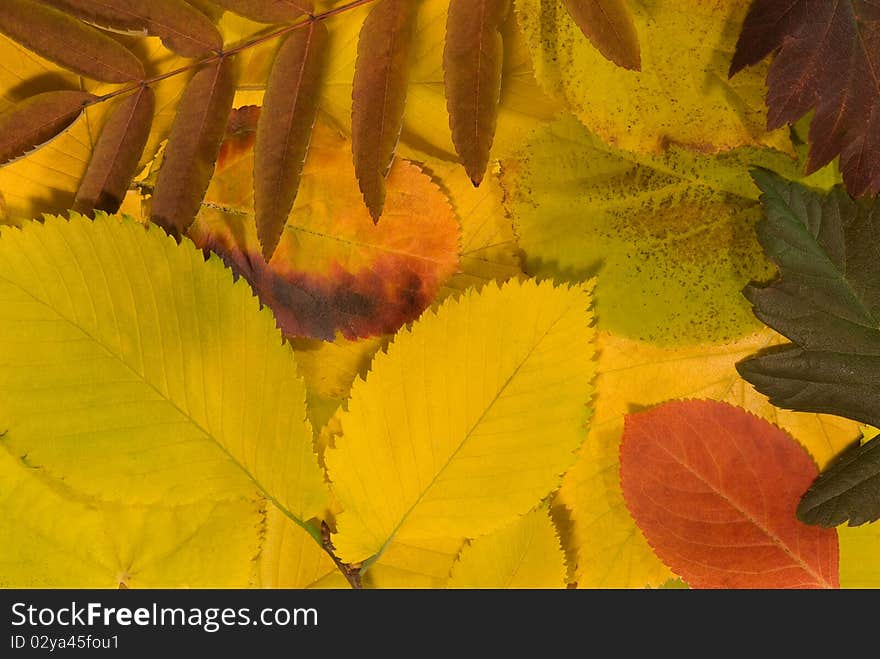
(715, 489)
(827, 58)
(132, 336)
(609, 25)
(826, 301)
(524, 554)
(471, 455)
(268, 11)
(681, 96)
(334, 269)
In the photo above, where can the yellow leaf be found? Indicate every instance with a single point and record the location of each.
(524, 554)
(138, 371)
(682, 94)
(467, 421)
(631, 376)
(422, 563)
(65, 540)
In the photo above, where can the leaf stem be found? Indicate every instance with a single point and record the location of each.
(287, 29)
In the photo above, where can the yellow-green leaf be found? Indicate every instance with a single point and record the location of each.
(138, 371)
(524, 554)
(489, 397)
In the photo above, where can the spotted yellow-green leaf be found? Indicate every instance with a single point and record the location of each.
(524, 554)
(681, 96)
(490, 396)
(141, 373)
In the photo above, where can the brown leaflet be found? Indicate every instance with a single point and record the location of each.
(268, 11)
(379, 96)
(182, 28)
(115, 157)
(285, 128)
(608, 24)
(68, 42)
(193, 146)
(36, 120)
(472, 62)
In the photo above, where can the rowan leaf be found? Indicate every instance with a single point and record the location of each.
(138, 373)
(473, 66)
(193, 146)
(268, 11)
(182, 27)
(495, 401)
(68, 42)
(715, 489)
(682, 95)
(633, 375)
(285, 130)
(334, 270)
(524, 554)
(37, 120)
(827, 58)
(117, 154)
(379, 96)
(609, 25)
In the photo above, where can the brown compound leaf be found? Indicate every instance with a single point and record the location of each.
(379, 96)
(193, 146)
(68, 42)
(182, 27)
(335, 270)
(285, 129)
(33, 122)
(268, 11)
(117, 153)
(472, 64)
(609, 25)
(827, 59)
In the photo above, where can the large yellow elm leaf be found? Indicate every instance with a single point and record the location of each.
(334, 269)
(633, 375)
(682, 94)
(489, 397)
(139, 372)
(426, 121)
(524, 554)
(65, 540)
(672, 235)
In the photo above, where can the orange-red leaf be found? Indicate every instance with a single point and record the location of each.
(715, 489)
(472, 61)
(609, 26)
(117, 153)
(268, 11)
(182, 27)
(193, 146)
(379, 95)
(285, 128)
(68, 42)
(36, 120)
(334, 270)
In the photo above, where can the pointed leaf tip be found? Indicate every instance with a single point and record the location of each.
(609, 25)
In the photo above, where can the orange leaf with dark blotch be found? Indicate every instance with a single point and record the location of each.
(36, 120)
(285, 128)
(116, 154)
(608, 24)
(715, 489)
(193, 146)
(334, 270)
(379, 95)
(268, 11)
(827, 59)
(68, 42)
(472, 62)
(182, 27)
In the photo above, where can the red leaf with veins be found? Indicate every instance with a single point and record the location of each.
(827, 59)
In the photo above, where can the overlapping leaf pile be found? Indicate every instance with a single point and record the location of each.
(439, 294)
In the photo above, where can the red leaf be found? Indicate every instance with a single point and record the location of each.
(827, 59)
(715, 489)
